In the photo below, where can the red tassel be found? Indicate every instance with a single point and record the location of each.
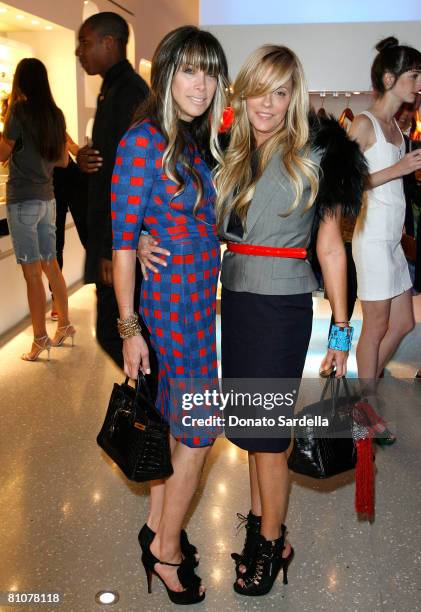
(364, 477)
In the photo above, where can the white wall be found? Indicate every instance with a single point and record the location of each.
(334, 56)
(236, 12)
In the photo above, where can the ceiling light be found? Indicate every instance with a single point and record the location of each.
(20, 16)
(3, 10)
(49, 27)
(107, 598)
(35, 22)
(357, 93)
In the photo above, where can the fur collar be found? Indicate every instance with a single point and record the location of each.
(343, 167)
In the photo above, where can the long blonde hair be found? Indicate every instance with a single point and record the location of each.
(185, 46)
(265, 71)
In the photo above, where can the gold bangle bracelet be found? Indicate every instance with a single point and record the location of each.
(129, 326)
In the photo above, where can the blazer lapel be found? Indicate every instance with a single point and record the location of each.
(267, 188)
(225, 224)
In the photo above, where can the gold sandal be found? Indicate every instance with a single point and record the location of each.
(43, 343)
(68, 332)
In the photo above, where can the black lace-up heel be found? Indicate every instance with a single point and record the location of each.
(252, 525)
(266, 565)
(185, 572)
(146, 535)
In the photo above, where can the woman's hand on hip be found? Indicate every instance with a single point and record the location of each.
(136, 356)
(145, 249)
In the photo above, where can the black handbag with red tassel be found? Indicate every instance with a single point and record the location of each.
(346, 445)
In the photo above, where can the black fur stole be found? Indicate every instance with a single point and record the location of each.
(343, 167)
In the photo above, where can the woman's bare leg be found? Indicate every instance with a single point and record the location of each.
(375, 324)
(401, 322)
(59, 290)
(256, 505)
(273, 468)
(32, 273)
(179, 490)
(156, 500)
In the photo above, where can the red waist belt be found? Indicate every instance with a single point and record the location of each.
(266, 251)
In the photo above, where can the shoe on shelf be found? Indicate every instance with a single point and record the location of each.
(185, 572)
(42, 343)
(267, 563)
(63, 332)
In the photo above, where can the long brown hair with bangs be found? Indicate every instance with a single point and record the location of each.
(266, 69)
(185, 46)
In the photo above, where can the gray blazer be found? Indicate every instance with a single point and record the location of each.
(265, 226)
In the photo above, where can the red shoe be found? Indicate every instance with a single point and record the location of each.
(365, 415)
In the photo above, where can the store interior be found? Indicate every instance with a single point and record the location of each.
(68, 518)
(24, 34)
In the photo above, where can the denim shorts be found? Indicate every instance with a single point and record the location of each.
(32, 226)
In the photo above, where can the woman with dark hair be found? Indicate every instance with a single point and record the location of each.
(384, 284)
(34, 142)
(161, 180)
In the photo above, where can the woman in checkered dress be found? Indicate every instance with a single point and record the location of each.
(162, 181)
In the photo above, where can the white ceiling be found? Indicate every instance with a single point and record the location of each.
(14, 20)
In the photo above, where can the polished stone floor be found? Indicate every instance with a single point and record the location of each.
(69, 520)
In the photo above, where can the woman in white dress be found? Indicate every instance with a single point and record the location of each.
(382, 272)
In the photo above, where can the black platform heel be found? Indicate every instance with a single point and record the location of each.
(185, 572)
(252, 525)
(188, 550)
(286, 560)
(267, 563)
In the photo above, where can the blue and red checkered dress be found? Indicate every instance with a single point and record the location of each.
(179, 304)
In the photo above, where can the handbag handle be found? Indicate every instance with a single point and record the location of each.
(150, 409)
(141, 382)
(334, 384)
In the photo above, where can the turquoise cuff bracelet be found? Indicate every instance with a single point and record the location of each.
(340, 338)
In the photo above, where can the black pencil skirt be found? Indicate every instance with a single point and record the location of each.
(264, 336)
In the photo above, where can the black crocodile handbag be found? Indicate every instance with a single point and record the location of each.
(334, 452)
(134, 435)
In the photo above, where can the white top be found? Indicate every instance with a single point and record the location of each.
(382, 270)
(383, 213)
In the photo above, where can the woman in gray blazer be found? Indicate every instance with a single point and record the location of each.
(271, 200)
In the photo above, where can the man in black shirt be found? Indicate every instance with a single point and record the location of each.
(102, 50)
